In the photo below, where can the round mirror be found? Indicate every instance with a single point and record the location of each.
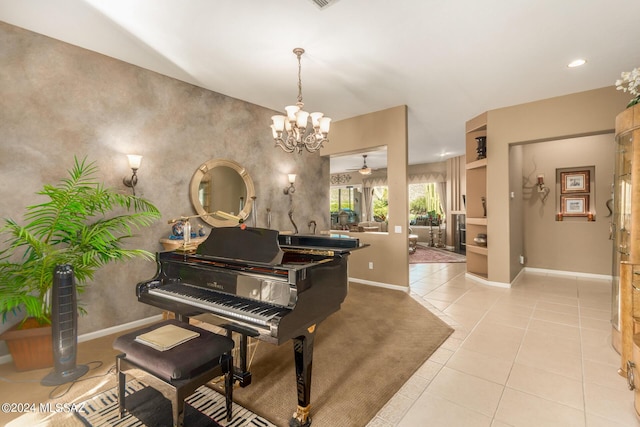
(221, 190)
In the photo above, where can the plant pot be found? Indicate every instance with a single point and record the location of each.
(30, 345)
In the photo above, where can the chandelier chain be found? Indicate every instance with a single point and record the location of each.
(299, 53)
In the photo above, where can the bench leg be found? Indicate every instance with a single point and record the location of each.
(122, 380)
(177, 407)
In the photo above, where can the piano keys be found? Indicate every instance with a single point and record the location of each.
(260, 284)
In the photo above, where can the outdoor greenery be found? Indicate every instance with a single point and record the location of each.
(82, 224)
(424, 201)
(380, 203)
(341, 198)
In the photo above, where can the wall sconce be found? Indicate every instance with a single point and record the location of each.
(134, 164)
(291, 189)
(540, 183)
(542, 189)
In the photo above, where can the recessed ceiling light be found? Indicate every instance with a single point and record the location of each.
(577, 63)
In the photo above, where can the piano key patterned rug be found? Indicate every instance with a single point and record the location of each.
(147, 407)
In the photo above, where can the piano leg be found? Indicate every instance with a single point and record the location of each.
(303, 356)
(240, 373)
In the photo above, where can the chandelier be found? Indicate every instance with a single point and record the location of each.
(289, 131)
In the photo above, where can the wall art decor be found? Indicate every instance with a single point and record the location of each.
(574, 182)
(575, 205)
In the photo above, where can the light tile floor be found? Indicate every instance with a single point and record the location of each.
(538, 354)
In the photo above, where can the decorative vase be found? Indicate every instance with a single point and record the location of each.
(177, 229)
(482, 147)
(343, 219)
(481, 239)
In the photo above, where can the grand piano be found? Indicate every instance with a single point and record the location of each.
(260, 284)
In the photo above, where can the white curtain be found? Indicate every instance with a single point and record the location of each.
(441, 189)
(367, 193)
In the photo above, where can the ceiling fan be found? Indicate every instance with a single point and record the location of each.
(364, 170)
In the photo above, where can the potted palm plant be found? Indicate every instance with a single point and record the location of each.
(82, 224)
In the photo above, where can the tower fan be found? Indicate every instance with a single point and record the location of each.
(64, 329)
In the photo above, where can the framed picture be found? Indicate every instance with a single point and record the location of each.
(575, 205)
(574, 182)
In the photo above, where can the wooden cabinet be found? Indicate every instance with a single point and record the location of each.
(475, 198)
(625, 227)
(621, 224)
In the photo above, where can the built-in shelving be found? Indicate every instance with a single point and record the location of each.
(482, 163)
(476, 179)
(480, 250)
(477, 221)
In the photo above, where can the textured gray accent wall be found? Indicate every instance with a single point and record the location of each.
(58, 100)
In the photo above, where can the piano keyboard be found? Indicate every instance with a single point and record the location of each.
(224, 304)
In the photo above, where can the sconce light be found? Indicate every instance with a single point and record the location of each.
(291, 189)
(134, 164)
(542, 189)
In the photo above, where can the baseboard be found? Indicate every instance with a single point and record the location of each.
(6, 359)
(119, 328)
(569, 273)
(520, 273)
(380, 284)
(487, 282)
(539, 271)
(102, 333)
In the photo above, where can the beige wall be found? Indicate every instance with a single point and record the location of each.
(577, 245)
(59, 101)
(580, 114)
(388, 251)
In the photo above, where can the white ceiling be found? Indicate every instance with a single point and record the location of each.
(447, 60)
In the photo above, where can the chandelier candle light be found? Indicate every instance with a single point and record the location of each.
(289, 131)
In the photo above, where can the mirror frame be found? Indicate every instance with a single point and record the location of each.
(194, 187)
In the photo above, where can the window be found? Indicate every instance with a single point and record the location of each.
(425, 207)
(344, 199)
(380, 201)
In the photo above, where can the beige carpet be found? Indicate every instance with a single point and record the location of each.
(363, 354)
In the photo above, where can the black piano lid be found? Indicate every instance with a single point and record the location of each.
(261, 245)
(258, 245)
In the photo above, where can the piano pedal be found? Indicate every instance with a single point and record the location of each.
(242, 377)
(216, 384)
(301, 417)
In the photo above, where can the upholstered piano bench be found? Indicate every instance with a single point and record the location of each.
(178, 371)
